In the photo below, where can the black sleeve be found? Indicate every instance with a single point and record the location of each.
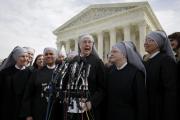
(1, 81)
(140, 96)
(28, 96)
(98, 96)
(1, 87)
(169, 79)
(178, 89)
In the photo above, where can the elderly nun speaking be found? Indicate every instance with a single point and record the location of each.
(126, 94)
(87, 53)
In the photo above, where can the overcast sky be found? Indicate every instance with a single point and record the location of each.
(31, 22)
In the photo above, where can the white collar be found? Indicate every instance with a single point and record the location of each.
(17, 67)
(51, 67)
(154, 54)
(120, 68)
(28, 65)
(174, 53)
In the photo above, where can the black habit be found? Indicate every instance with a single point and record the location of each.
(12, 86)
(95, 84)
(126, 94)
(178, 89)
(161, 86)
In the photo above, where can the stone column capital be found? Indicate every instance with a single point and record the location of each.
(142, 24)
(99, 32)
(112, 30)
(126, 26)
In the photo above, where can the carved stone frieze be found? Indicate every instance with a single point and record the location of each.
(96, 13)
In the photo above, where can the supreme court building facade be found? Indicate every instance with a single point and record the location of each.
(109, 23)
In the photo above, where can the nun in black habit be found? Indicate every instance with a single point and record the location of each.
(34, 105)
(92, 105)
(13, 79)
(161, 77)
(126, 93)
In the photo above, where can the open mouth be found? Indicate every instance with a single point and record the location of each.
(87, 49)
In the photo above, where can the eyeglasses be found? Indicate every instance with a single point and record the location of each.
(87, 41)
(149, 41)
(46, 54)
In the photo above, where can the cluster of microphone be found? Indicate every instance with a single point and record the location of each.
(69, 85)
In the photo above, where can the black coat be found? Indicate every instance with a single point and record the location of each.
(33, 103)
(12, 86)
(161, 87)
(178, 89)
(126, 94)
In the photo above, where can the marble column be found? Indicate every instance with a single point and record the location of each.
(119, 36)
(67, 46)
(106, 47)
(142, 35)
(100, 44)
(127, 33)
(59, 45)
(76, 44)
(133, 37)
(112, 37)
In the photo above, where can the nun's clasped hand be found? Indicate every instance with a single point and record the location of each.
(85, 105)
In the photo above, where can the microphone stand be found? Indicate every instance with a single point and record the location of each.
(52, 87)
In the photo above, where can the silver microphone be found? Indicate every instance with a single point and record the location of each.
(63, 73)
(88, 70)
(73, 72)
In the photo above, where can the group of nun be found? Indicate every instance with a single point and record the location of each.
(129, 89)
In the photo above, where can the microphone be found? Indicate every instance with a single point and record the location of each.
(88, 67)
(73, 72)
(73, 69)
(61, 66)
(88, 70)
(63, 73)
(65, 67)
(79, 59)
(79, 73)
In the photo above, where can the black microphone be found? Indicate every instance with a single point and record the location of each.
(75, 59)
(61, 66)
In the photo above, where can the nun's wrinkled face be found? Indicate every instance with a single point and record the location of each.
(116, 55)
(30, 56)
(49, 57)
(150, 46)
(22, 60)
(40, 61)
(86, 46)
